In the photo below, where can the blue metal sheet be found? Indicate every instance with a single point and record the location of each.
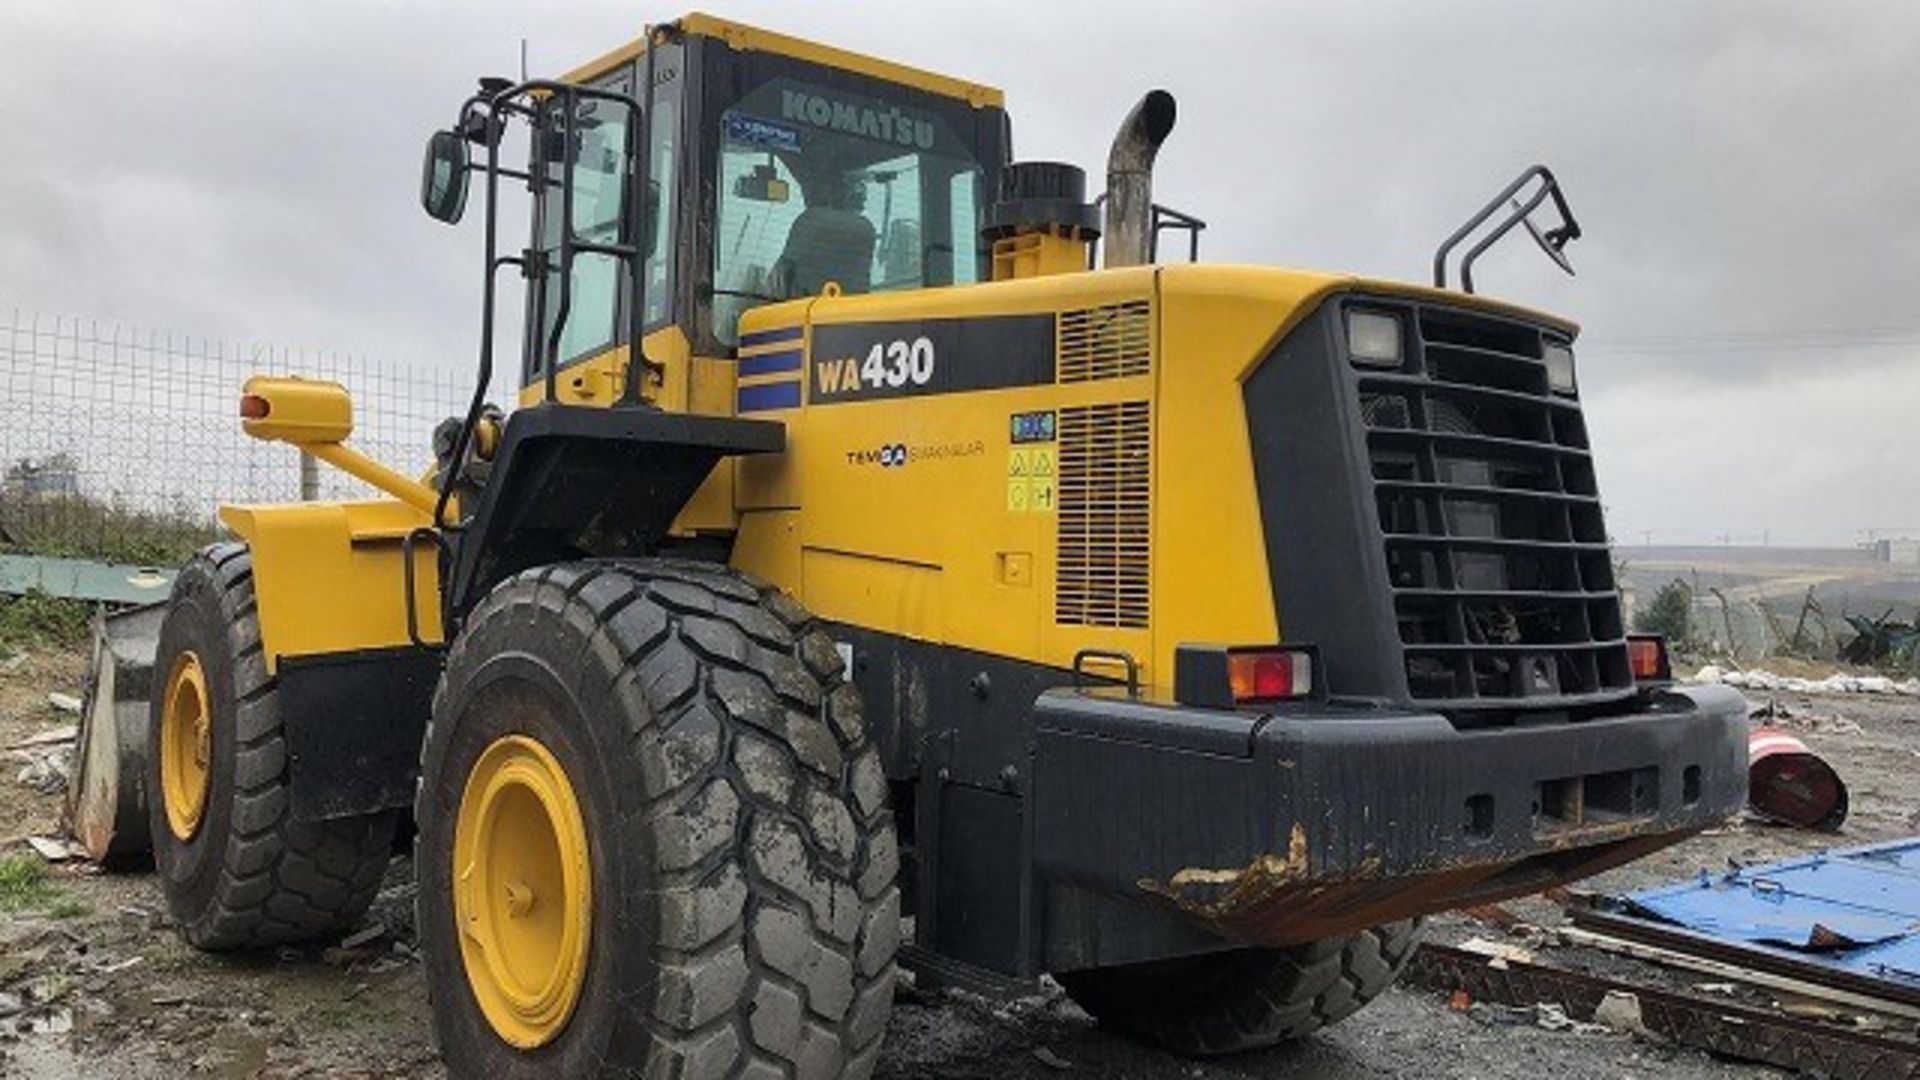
(1856, 909)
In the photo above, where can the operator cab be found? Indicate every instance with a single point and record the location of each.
(777, 167)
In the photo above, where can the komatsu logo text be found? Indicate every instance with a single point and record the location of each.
(884, 125)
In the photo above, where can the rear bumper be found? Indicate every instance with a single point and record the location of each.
(1290, 827)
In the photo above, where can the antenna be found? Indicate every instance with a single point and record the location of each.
(523, 59)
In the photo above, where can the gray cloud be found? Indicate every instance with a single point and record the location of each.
(1744, 171)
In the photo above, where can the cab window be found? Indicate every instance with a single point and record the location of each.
(819, 186)
(598, 164)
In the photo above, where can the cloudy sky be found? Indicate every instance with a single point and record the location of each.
(1746, 173)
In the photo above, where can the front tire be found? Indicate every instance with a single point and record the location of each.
(236, 871)
(734, 905)
(1224, 1003)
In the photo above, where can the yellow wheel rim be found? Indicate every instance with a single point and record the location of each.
(523, 891)
(186, 746)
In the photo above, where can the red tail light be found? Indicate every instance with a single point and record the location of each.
(1647, 658)
(254, 407)
(1269, 676)
(1222, 677)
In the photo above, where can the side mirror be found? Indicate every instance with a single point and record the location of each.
(443, 177)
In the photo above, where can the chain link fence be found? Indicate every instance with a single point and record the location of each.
(1731, 622)
(121, 445)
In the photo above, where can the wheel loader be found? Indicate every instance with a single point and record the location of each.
(893, 558)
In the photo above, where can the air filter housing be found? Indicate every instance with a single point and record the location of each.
(1041, 223)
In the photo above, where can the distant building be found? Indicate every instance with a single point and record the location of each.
(55, 475)
(1904, 550)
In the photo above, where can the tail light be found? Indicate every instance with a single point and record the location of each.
(1229, 676)
(1647, 658)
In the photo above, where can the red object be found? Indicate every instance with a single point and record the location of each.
(1788, 783)
(1647, 656)
(254, 407)
(1269, 676)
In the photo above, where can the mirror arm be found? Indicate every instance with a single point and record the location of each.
(487, 293)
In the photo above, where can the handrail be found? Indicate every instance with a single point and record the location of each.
(1553, 241)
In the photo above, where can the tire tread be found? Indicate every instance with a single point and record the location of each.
(715, 660)
(280, 881)
(1251, 998)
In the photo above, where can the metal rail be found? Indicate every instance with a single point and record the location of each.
(1716, 1027)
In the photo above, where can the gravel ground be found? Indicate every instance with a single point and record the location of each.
(129, 1000)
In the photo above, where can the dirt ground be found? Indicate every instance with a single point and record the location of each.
(94, 983)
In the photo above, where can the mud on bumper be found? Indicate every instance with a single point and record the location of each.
(1286, 828)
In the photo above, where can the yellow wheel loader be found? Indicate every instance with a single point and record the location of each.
(885, 531)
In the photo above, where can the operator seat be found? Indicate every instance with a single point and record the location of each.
(828, 243)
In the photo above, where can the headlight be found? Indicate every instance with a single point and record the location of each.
(1373, 339)
(1560, 369)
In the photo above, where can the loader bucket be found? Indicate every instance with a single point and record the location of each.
(106, 805)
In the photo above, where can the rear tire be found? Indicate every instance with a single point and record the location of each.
(741, 913)
(237, 872)
(1225, 1003)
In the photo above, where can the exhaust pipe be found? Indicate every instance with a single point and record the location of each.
(1129, 232)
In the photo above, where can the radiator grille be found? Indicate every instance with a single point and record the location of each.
(1497, 556)
(1105, 342)
(1103, 489)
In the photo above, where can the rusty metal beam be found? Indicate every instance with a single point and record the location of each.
(1716, 1027)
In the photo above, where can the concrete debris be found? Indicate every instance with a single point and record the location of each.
(143, 918)
(1498, 953)
(56, 849)
(1832, 684)
(53, 1022)
(47, 772)
(1620, 1010)
(65, 703)
(1547, 1016)
(49, 737)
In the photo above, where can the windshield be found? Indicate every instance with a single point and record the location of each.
(820, 186)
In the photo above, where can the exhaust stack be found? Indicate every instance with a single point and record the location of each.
(1129, 238)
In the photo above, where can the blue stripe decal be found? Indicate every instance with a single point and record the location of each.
(779, 395)
(768, 337)
(770, 363)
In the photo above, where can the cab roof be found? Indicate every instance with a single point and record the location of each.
(744, 38)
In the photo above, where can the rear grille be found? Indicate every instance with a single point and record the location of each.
(1105, 342)
(1103, 480)
(1496, 552)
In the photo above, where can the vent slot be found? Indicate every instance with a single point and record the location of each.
(1104, 480)
(1105, 342)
